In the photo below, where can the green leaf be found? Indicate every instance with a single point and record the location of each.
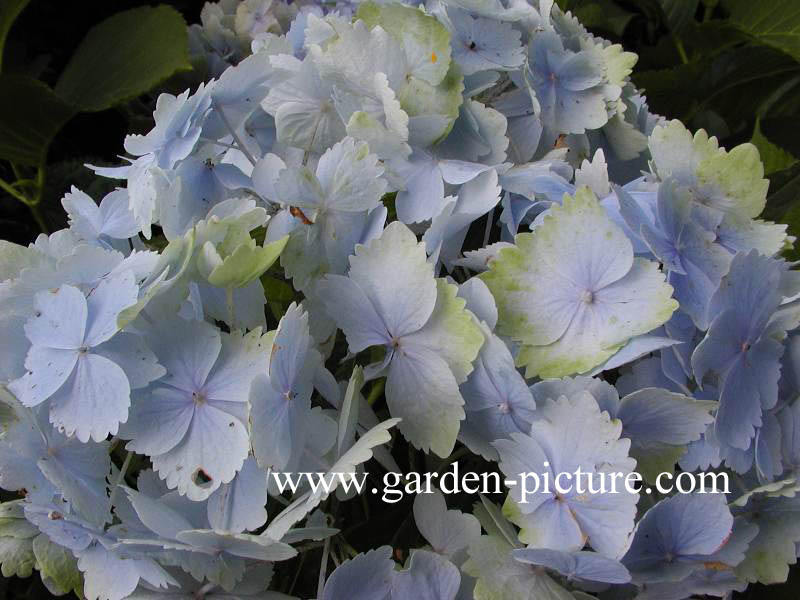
(782, 202)
(57, 564)
(125, 56)
(277, 290)
(679, 13)
(774, 157)
(604, 14)
(710, 38)
(279, 295)
(30, 116)
(774, 23)
(9, 11)
(782, 130)
(734, 83)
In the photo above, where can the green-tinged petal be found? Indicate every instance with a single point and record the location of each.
(426, 41)
(619, 64)
(572, 292)
(385, 142)
(168, 275)
(423, 392)
(500, 577)
(246, 263)
(730, 181)
(774, 548)
(654, 459)
(539, 282)
(16, 541)
(451, 331)
(16, 557)
(14, 258)
(57, 565)
(418, 97)
(347, 178)
(636, 304)
(394, 273)
(426, 369)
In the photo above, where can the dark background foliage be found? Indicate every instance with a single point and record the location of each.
(730, 66)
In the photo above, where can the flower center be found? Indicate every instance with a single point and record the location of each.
(587, 297)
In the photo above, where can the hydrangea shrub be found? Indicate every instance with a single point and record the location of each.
(453, 226)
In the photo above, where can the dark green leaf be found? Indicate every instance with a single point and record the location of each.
(9, 10)
(30, 116)
(124, 57)
(784, 192)
(679, 13)
(782, 131)
(774, 23)
(604, 15)
(277, 290)
(280, 295)
(792, 219)
(666, 88)
(783, 203)
(705, 40)
(774, 157)
(735, 84)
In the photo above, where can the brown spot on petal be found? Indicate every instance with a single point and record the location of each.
(299, 214)
(717, 566)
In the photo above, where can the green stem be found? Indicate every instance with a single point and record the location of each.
(31, 203)
(39, 186)
(297, 573)
(681, 49)
(120, 476)
(208, 587)
(323, 567)
(708, 11)
(17, 172)
(234, 135)
(11, 190)
(230, 306)
(451, 459)
(376, 390)
(488, 231)
(412, 459)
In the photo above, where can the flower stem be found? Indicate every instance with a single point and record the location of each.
(120, 476)
(323, 567)
(235, 136)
